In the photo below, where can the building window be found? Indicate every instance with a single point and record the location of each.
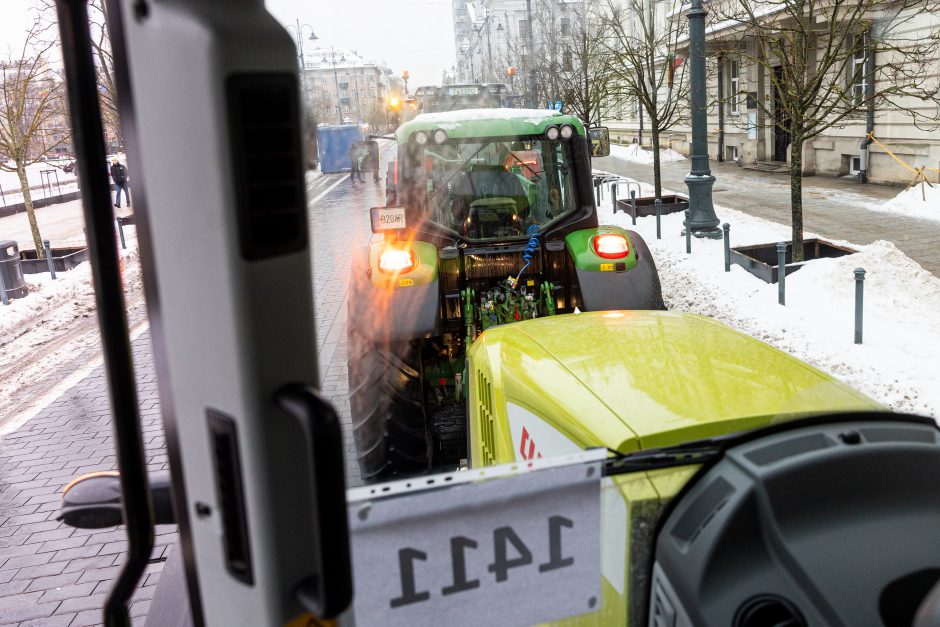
(565, 27)
(735, 85)
(566, 61)
(859, 78)
(524, 29)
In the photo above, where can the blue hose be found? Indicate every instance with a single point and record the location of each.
(530, 248)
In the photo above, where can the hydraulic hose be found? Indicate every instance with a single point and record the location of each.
(530, 248)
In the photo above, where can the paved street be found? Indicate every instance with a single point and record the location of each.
(833, 208)
(51, 574)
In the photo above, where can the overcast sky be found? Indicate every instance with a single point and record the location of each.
(413, 35)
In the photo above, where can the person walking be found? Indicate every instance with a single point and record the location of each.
(119, 176)
(355, 167)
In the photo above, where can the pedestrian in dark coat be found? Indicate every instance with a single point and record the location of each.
(119, 176)
(354, 160)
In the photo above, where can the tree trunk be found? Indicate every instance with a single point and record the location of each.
(30, 211)
(796, 197)
(657, 174)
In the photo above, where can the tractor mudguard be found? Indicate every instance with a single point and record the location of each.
(394, 308)
(628, 283)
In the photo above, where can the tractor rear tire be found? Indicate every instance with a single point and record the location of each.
(386, 400)
(648, 288)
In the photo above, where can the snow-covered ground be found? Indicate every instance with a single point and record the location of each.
(52, 329)
(61, 181)
(636, 154)
(920, 201)
(896, 365)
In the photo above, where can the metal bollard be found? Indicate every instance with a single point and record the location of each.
(688, 231)
(859, 296)
(659, 215)
(120, 228)
(45, 245)
(613, 195)
(3, 290)
(782, 273)
(633, 203)
(727, 229)
(597, 192)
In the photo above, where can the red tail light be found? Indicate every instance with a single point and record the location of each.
(397, 260)
(611, 246)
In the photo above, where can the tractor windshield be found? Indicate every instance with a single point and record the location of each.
(494, 189)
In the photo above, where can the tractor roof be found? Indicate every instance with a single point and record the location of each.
(470, 123)
(642, 379)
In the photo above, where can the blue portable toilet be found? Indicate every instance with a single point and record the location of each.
(333, 144)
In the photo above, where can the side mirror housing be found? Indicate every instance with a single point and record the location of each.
(600, 141)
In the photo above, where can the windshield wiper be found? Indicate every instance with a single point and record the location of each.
(696, 452)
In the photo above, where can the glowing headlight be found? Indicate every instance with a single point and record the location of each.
(552, 133)
(421, 138)
(567, 131)
(440, 136)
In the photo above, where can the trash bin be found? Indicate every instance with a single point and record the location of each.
(12, 271)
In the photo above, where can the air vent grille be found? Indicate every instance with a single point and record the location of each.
(268, 166)
(485, 414)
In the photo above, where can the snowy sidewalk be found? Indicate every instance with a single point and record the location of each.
(833, 208)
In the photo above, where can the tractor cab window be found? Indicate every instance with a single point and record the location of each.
(496, 189)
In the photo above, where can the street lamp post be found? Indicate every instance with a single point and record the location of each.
(702, 221)
(339, 106)
(300, 56)
(531, 56)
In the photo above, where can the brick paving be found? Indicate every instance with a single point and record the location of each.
(51, 574)
(832, 207)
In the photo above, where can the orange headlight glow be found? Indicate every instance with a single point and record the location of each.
(396, 260)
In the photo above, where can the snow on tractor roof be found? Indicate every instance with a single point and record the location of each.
(470, 123)
(534, 116)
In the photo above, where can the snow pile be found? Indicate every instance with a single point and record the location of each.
(50, 305)
(896, 365)
(919, 201)
(636, 154)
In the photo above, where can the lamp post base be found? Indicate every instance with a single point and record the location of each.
(704, 221)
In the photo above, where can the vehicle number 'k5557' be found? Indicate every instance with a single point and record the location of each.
(517, 550)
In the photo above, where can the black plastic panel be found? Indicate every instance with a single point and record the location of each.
(231, 495)
(268, 164)
(814, 523)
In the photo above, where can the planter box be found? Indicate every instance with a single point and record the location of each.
(63, 259)
(761, 259)
(646, 205)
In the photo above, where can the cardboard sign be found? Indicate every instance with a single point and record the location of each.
(518, 550)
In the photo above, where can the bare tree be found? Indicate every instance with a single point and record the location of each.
(104, 62)
(828, 61)
(32, 100)
(572, 60)
(640, 46)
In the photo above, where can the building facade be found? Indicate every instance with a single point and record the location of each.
(743, 115)
(344, 87)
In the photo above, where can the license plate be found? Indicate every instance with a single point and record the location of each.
(388, 219)
(518, 550)
(464, 91)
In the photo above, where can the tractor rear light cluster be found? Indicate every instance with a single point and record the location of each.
(565, 131)
(611, 246)
(439, 136)
(397, 260)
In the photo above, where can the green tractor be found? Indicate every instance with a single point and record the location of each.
(494, 222)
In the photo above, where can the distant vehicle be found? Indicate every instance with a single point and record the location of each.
(433, 99)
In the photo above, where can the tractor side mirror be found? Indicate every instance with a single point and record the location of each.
(600, 141)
